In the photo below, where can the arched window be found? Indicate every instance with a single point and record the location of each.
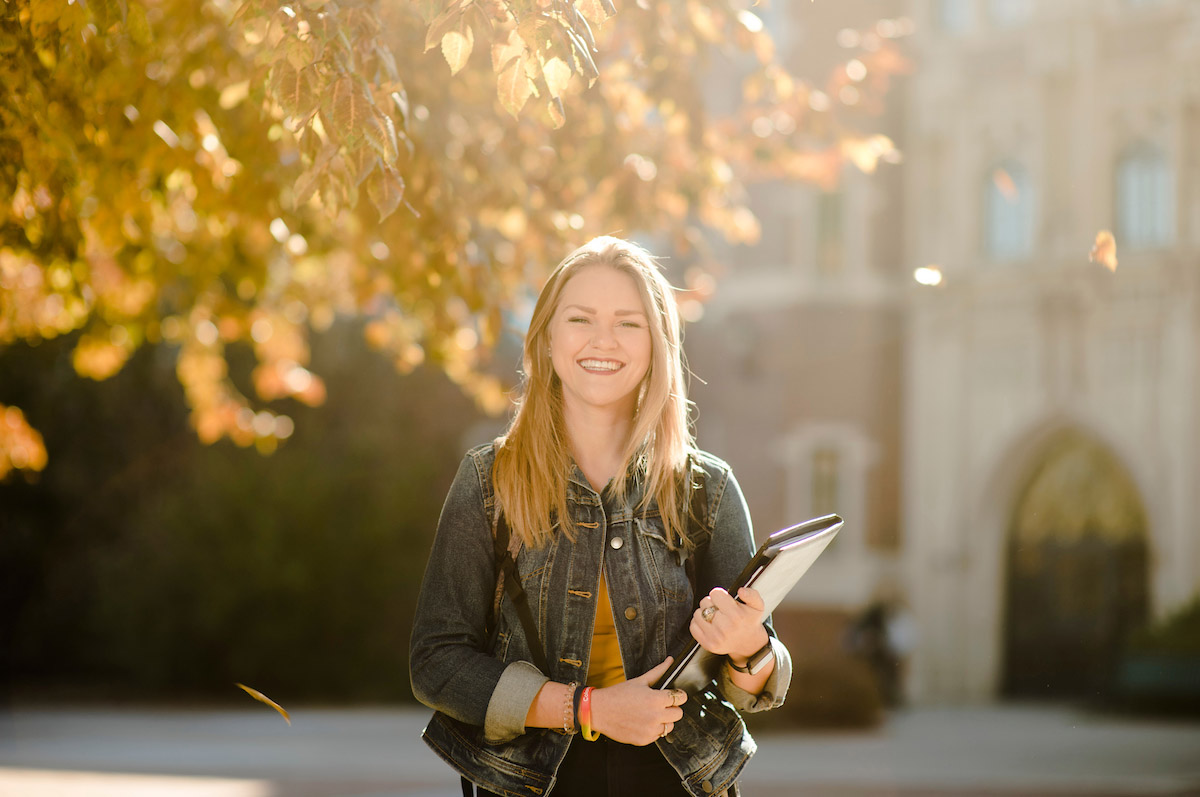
(1145, 198)
(1008, 212)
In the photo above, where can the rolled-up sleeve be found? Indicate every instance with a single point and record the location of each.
(449, 666)
(511, 699)
(773, 692)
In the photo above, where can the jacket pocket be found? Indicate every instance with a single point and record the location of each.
(666, 566)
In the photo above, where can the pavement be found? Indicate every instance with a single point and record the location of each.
(986, 751)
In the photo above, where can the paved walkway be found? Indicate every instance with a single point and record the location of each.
(992, 751)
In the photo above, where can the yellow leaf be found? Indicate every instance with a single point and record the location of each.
(1104, 251)
(386, 189)
(506, 51)
(513, 84)
(350, 107)
(260, 697)
(558, 74)
(593, 10)
(456, 47)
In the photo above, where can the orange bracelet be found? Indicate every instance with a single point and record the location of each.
(585, 716)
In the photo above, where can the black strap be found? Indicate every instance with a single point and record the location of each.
(468, 787)
(512, 585)
(697, 509)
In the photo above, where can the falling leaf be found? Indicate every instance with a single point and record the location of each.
(1005, 185)
(1104, 251)
(260, 697)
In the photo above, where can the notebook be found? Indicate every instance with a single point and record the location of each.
(774, 570)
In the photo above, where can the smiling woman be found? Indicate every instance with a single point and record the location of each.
(590, 507)
(600, 349)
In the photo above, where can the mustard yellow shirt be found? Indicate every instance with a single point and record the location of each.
(604, 665)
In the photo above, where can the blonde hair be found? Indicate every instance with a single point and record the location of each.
(533, 457)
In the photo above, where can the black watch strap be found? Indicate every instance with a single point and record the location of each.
(756, 662)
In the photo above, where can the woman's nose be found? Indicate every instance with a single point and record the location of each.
(603, 337)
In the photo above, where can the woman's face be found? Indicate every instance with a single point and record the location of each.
(600, 341)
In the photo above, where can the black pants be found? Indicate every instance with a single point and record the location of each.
(605, 768)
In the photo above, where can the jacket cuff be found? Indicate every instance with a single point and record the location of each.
(773, 692)
(514, 694)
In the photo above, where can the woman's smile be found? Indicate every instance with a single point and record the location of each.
(601, 366)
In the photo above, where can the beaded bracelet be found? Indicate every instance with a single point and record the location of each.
(568, 709)
(585, 716)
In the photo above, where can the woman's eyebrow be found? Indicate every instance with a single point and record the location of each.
(592, 310)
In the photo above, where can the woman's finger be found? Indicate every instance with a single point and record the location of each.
(724, 602)
(650, 676)
(751, 598)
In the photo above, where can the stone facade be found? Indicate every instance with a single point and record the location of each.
(920, 413)
(1013, 348)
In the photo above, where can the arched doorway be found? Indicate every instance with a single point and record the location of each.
(1076, 574)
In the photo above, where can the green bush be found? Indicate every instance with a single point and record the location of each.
(142, 564)
(1177, 634)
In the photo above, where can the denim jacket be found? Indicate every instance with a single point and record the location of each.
(482, 696)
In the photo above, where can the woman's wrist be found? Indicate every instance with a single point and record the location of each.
(739, 659)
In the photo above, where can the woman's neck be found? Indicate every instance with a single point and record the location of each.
(598, 441)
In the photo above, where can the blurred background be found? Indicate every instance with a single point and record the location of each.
(235, 402)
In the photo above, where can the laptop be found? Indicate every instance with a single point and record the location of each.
(774, 570)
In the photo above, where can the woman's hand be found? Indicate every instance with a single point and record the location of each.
(735, 628)
(634, 713)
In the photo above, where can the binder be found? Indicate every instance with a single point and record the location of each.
(774, 570)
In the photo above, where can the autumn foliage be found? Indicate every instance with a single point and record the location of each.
(214, 174)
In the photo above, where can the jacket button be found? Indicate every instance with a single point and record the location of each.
(631, 613)
(616, 543)
(707, 786)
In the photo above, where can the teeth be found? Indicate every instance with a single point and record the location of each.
(600, 365)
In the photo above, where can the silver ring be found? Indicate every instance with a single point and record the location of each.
(708, 613)
(664, 733)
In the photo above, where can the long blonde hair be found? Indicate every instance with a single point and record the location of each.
(533, 457)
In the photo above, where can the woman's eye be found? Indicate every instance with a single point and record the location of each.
(631, 324)
(577, 319)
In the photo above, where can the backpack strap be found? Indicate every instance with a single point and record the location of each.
(697, 510)
(505, 547)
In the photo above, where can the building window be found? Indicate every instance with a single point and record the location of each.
(956, 16)
(1145, 198)
(825, 470)
(1008, 213)
(830, 233)
(1009, 13)
(825, 466)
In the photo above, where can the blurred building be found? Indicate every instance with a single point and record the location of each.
(1015, 449)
